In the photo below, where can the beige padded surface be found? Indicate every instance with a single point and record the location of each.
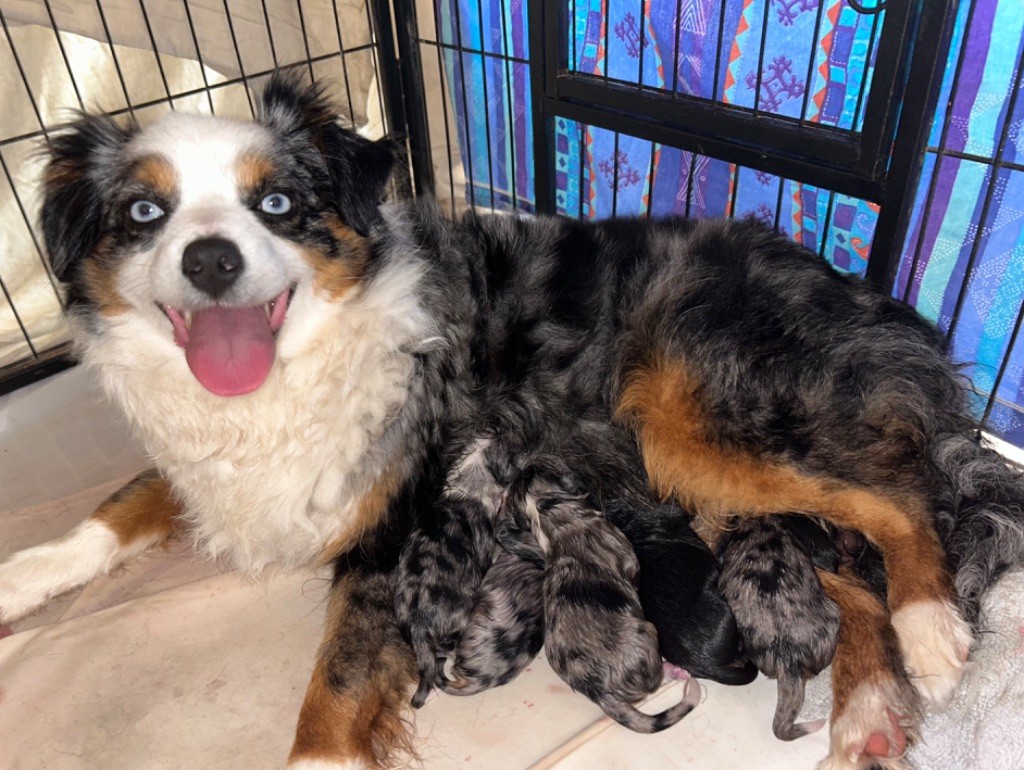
(168, 664)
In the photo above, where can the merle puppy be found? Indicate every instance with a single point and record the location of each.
(789, 626)
(506, 630)
(596, 637)
(444, 562)
(679, 593)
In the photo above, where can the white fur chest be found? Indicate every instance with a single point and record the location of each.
(275, 475)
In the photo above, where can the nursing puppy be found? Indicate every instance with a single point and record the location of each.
(439, 576)
(679, 592)
(790, 628)
(298, 359)
(505, 631)
(443, 564)
(596, 637)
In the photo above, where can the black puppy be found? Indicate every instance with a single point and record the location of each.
(789, 626)
(679, 593)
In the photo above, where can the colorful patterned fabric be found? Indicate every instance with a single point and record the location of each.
(490, 95)
(969, 212)
(817, 63)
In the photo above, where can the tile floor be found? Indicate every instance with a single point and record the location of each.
(59, 437)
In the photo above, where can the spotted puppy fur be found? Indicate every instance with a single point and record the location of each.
(444, 561)
(596, 637)
(789, 626)
(506, 630)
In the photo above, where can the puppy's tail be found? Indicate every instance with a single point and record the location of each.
(425, 687)
(431, 668)
(980, 516)
(630, 716)
(791, 700)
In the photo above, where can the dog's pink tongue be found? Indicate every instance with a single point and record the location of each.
(230, 350)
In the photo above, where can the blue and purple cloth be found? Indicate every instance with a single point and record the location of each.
(816, 58)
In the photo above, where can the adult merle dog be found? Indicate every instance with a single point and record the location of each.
(303, 364)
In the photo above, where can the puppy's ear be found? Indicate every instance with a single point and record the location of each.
(358, 168)
(73, 206)
(518, 542)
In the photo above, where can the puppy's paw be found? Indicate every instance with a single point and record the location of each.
(934, 641)
(670, 672)
(873, 729)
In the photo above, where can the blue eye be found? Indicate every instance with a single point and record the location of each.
(276, 203)
(145, 211)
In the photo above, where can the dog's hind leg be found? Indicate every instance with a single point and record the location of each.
(874, 706)
(351, 718)
(683, 459)
(138, 516)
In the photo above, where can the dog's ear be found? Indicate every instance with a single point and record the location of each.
(359, 169)
(73, 207)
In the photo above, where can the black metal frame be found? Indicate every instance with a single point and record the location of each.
(397, 71)
(881, 163)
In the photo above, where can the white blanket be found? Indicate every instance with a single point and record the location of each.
(982, 728)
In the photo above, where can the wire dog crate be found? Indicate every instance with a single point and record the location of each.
(141, 58)
(811, 115)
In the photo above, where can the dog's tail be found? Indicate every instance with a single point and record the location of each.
(791, 700)
(630, 716)
(980, 514)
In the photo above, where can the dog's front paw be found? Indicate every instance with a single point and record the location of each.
(934, 642)
(304, 763)
(22, 588)
(30, 578)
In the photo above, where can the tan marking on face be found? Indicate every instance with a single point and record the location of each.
(252, 170)
(157, 174)
(336, 275)
(99, 277)
(662, 403)
(143, 509)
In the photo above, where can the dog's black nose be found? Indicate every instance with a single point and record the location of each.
(212, 264)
